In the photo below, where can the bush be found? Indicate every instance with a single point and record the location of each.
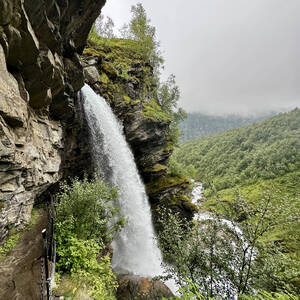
(86, 209)
(85, 223)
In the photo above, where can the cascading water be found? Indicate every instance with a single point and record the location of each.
(135, 249)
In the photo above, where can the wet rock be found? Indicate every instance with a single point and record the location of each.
(141, 288)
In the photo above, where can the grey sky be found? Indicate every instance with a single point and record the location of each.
(229, 56)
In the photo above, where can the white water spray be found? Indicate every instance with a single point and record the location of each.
(135, 250)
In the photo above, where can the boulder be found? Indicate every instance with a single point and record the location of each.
(140, 288)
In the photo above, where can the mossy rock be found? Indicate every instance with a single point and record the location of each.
(167, 182)
(104, 78)
(154, 112)
(108, 69)
(127, 99)
(158, 168)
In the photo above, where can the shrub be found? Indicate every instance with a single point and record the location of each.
(85, 223)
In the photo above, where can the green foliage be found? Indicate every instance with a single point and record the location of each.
(189, 292)
(153, 111)
(241, 156)
(179, 169)
(10, 243)
(85, 222)
(196, 253)
(212, 253)
(85, 210)
(263, 295)
(141, 31)
(81, 257)
(168, 95)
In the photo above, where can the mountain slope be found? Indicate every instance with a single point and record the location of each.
(241, 156)
(254, 163)
(198, 125)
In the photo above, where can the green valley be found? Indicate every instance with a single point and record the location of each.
(257, 162)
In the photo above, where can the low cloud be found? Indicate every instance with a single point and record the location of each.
(229, 56)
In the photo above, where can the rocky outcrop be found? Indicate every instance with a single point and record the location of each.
(30, 158)
(141, 288)
(40, 74)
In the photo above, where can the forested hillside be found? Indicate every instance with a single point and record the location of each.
(242, 156)
(198, 125)
(257, 166)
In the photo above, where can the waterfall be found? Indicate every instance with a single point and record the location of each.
(135, 249)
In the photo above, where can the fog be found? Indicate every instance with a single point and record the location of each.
(228, 56)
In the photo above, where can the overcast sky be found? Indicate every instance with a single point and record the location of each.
(228, 56)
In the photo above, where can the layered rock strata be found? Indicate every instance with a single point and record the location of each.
(40, 74)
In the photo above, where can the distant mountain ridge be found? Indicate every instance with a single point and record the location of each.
(198, 125)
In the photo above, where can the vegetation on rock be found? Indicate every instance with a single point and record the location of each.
(16, 234)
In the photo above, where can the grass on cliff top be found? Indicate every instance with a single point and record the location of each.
(123, 62)
(112, 48)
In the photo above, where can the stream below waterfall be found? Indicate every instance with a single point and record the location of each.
(226, 286)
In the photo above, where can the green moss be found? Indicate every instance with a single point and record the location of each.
(156, 168)
(182, 201)
(14, 235)
(167, 182)
(109, 69)
(104, 78)
(127, 99)
(121, 61)
(153, 111)
(10, 243)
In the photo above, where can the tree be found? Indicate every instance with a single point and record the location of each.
(141, 31)
(105, 28)
(168, 94)
(223, 255)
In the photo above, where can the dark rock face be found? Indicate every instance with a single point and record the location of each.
(42, 137)
(44, 38)
(140, 288)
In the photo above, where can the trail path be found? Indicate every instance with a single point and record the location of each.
(20, 270)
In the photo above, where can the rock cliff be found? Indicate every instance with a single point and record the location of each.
(40, 74)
